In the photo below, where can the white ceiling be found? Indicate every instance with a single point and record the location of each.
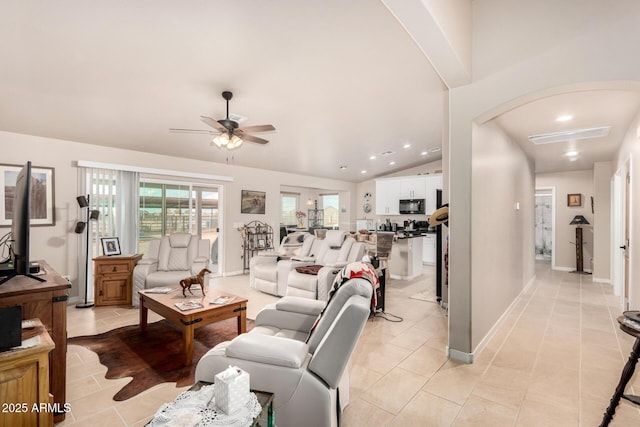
(340, 81)
(589, 109)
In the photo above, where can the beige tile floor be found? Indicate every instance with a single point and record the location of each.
(554, 361)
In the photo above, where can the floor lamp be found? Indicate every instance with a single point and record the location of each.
(579, 220)
(81, 227)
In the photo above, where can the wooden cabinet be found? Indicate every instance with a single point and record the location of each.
(24, 384)
(112, 279)
(46, 301)
(387, 196)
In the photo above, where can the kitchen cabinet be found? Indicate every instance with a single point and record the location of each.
(387, 200)
(413, 188)
(432, 183)
(429, 249)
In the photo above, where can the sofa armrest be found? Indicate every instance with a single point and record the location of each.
(303, 258)
(268, 349)
(337, 264)
(300, 305)
(147, 261)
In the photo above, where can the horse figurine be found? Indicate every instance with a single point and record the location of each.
(194, 280)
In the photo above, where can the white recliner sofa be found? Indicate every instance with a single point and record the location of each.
(307, 376)
(268, 272)
(170, 260)
(316, 281)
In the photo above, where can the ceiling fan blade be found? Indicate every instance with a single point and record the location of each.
(257, 128)
(197, 131)
(252, 138)
(213, 123)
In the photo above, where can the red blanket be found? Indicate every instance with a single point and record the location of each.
(309, 269)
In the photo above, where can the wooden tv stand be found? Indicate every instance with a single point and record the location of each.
(46, 301)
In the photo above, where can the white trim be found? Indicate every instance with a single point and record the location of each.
(129, 168)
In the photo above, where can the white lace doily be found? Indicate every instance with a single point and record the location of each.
(198, 409)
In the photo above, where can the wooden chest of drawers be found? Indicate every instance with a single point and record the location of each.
(113, 279)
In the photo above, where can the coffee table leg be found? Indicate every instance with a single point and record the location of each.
(144, 311)
(242, 320)
(187, 335)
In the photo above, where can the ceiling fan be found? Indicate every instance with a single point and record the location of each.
(228, 132)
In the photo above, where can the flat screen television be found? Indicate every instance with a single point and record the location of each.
(20, 225)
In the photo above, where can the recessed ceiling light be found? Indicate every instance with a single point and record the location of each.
(570, 135)
(372, 157)
(363, 171)
(342, 168)
(406, 146)
(392, 163)
(571, 153)
(564, 118)
(424, 153)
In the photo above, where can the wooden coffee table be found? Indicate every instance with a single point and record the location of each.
(188, 321)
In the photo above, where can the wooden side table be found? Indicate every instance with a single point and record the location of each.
(113, 279)
(24, 383)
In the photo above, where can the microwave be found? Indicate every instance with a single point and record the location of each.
(412, 206)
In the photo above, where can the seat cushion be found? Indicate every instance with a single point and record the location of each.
(277, 332)
(166, 278)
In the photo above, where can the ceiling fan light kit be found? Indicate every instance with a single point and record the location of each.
(231, 135)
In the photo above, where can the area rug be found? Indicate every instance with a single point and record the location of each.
(428, 296)
(154, 356)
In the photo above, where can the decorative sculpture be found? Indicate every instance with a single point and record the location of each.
(194, 280)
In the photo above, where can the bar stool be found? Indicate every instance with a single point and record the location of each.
(627, 373)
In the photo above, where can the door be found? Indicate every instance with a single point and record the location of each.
(544, 229)
(207, 220)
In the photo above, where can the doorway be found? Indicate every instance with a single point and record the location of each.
(545, 224)
(620, 234)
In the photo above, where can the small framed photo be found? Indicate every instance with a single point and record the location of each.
(261, 243)
(574, 199)
(110, 246)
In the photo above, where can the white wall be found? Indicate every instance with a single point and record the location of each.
(58, 244)
(580, 182)
(602, 174)
(520, 53)
(630, 151)
(503, 226)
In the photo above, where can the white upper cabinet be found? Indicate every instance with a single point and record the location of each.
(387, 200)
(413, 188)
(432, 183)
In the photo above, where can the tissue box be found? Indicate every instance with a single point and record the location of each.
(231, 389)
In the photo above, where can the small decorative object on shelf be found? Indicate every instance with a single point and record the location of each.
(256, 236)
(300, 215)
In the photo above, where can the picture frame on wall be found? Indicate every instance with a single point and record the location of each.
(42, 194)
(574, 199)
(253, 202)
(110, 246)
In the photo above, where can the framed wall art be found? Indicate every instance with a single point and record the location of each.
(574, 199)
(42, 194)
(252, 202)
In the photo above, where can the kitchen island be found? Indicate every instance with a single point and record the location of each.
(405, 262)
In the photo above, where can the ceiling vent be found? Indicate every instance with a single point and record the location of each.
(387, 153)
(570, 135)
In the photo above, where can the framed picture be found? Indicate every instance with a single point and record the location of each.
(574, 199)
(42, 194)
(110, 246)
(261, 243)
(252, 202)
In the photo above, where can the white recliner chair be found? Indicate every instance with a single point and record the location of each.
(304, 374)
(264, 268)
(170, 260)
(333, 252)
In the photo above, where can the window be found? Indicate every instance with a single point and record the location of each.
(330, 203)
(289, 206)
